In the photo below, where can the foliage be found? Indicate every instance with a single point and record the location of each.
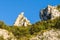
(1, 38)
(26, 32)
(58, 7)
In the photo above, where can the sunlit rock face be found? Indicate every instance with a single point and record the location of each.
(50, 12)
(6, 35)
(48, 35)
(22, 20)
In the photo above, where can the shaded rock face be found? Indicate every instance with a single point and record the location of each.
(6, 35)
(49, 35)
(50, 12)
(21, 20)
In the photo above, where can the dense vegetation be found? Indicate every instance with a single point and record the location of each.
(58, 7)
(24, 33)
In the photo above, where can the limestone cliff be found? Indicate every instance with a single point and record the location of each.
(50, 12)
(22, 20)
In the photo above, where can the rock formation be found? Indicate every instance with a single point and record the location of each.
(50, 12)
(48, 35)
(6, 35)
(22, 21)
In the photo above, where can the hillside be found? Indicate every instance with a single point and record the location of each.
(41, 30)
(25, 33)
(48, 35)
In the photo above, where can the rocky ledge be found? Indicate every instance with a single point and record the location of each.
(48, 35)
(6, 35)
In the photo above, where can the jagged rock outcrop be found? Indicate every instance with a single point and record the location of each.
(22, 20)
(48, 35)
(6, 35)
(50, 12)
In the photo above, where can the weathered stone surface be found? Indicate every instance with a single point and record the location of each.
(49, 35)
(6, 35)
(22, 20)
(50, 12)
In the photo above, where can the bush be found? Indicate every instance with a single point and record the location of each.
(58, 7)
(1, 38)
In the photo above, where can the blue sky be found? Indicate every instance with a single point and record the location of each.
(10, 9)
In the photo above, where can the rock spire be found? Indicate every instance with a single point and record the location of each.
(22, 20)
